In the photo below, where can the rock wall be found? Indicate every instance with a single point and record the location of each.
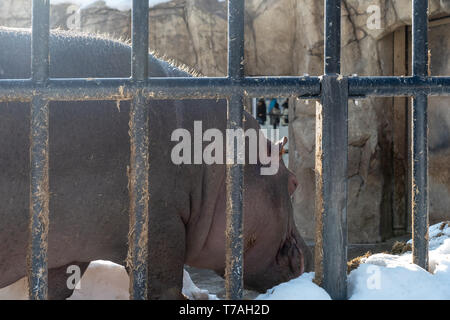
(377, 146)
(285, 37)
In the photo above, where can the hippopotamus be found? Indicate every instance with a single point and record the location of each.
(89, 198)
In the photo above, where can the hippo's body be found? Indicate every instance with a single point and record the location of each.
(89, 154)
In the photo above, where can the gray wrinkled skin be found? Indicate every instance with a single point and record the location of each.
(89, 154)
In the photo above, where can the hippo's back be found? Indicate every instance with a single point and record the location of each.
(89, 154)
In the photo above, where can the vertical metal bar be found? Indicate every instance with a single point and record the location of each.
(39, 161)
(420, 38)
(234, 172)
(331, 165)
(236, 39)
(139, 159)
(40, 40)
(419, 127)
(139, 39)
(332, 29)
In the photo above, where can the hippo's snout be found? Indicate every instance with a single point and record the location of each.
(289, 263)
(290, 255)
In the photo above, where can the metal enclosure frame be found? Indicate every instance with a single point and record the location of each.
(333, 90)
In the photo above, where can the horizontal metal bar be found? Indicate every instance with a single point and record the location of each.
(398, 86)
(158, 88)
(198, 88)
(186, 88)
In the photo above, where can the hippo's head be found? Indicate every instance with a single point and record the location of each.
(274, 250)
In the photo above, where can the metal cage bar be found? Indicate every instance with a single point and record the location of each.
(139, 157)
(234, 266)
(39, 152)
(331, 164)
(419, 139)
(332, 27)
(332, 89)
(201, 88)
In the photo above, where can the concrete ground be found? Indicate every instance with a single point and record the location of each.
(209, 280)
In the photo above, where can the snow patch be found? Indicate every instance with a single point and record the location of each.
(380, 276)
(104, 280)
(385, 276)
(301, 288)
(437, 234)
(193, 292)
(389, 277)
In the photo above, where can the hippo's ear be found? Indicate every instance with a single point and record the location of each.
(281, 143)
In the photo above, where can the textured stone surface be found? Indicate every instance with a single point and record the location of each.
(285, 37)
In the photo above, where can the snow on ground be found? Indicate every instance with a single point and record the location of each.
(301, 288)
(385, 276)
(121, 5)
(109, 281)
(380, 276)
(104, 280)
(191, 291)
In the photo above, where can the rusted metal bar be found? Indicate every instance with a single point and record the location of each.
(331, 187)
(419, 135)
(332, 27)
(160, 88)
(139, 160)
(331, 165)
(202, 88)
(234, 283)
(234, 269)
(331, 138)
(398, 86)
(139, 40)
(39, 162)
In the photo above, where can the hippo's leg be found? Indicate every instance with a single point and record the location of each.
(57, 281)
(166, 255)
